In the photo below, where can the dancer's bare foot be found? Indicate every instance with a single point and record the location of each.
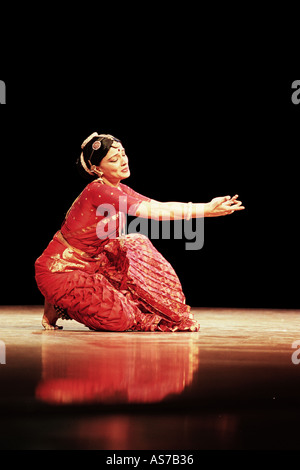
(50, 317)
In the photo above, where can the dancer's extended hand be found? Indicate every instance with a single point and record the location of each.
(224, 205)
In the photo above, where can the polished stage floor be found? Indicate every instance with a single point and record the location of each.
(233, 385)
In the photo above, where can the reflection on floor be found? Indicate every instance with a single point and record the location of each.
(233, 385)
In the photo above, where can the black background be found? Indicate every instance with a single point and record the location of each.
(192, 131)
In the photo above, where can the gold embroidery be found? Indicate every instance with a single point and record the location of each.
(65, 262)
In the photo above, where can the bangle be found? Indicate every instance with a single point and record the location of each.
(189, 210)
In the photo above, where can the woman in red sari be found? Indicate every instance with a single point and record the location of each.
(92, 273)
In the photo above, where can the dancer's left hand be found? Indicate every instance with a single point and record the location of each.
(224, 205)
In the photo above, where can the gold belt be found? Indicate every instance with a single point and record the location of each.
(62, 239)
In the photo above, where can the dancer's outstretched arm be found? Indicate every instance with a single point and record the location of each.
(217, 207)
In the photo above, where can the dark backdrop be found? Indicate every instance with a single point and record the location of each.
(189, 137)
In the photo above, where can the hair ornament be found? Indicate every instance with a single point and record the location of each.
(96, 145)
(84, 165)
(90, 137)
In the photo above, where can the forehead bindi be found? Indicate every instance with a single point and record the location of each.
(117, 150)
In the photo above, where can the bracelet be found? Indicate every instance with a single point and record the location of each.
(189, 210)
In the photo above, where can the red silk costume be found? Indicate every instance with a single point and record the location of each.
(107, 281)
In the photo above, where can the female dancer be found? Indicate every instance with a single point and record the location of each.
(92, 273)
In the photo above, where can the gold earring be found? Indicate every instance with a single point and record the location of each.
(100, 173)
(97, 172)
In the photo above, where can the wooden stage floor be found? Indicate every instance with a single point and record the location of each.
(233, 385)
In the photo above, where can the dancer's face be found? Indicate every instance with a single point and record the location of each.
(115, 164)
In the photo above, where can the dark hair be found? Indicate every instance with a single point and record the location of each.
(94, 149)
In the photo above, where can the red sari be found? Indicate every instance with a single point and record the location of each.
(106, 280)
